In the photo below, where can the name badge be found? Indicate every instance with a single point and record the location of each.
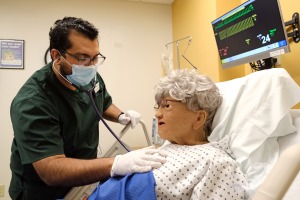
(97, 88)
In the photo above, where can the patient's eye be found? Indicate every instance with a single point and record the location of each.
(167, 106)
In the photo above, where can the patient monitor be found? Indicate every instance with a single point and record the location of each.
(250, 32)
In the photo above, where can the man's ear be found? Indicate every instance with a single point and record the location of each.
(55, 54)
(200, 119)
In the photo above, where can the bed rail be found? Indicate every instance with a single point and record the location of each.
(117, 148)
(281, 176)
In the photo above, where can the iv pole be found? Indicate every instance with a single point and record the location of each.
(177, 47)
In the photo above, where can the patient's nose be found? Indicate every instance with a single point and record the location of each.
(158, 114)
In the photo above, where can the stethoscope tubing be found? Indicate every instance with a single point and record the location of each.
(90, 94)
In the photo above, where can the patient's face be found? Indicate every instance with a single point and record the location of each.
(175, 122)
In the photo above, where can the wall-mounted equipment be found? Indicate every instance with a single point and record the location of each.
(253, 31)
(295, 26)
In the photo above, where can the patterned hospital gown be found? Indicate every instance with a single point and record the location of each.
(199, 172)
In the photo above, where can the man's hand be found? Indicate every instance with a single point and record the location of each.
(139, 161)
(130, 116)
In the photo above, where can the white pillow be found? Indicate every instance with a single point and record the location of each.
(254, 112)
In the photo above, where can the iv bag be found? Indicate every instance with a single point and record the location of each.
(167, 60)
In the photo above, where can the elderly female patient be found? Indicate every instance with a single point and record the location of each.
(186, 103)
(195, 168)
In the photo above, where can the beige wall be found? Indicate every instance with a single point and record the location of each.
(193, 17)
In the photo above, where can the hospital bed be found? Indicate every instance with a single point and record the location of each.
(283, 181)
(257, 115)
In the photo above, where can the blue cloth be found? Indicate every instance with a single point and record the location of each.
(130, 187)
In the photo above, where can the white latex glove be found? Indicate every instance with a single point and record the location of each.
(138, 161)
(130, 116)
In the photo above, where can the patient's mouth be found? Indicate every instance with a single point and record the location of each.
(161, 123)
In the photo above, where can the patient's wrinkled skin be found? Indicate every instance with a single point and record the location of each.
(178, 124)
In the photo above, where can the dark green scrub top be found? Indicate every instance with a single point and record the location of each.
(49, 119)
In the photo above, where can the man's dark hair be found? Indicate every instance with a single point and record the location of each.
(59, 32)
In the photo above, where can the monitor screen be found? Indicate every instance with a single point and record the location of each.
(250, 32)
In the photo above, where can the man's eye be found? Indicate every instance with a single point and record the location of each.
(167, 105)
(96, 59)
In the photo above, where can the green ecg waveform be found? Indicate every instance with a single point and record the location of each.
(237, 15)
(236, 28)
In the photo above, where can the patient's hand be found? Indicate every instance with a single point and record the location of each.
(139, 161)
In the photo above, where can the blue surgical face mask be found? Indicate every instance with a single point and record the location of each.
(82, 75)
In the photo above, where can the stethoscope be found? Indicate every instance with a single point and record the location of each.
(90, 93)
